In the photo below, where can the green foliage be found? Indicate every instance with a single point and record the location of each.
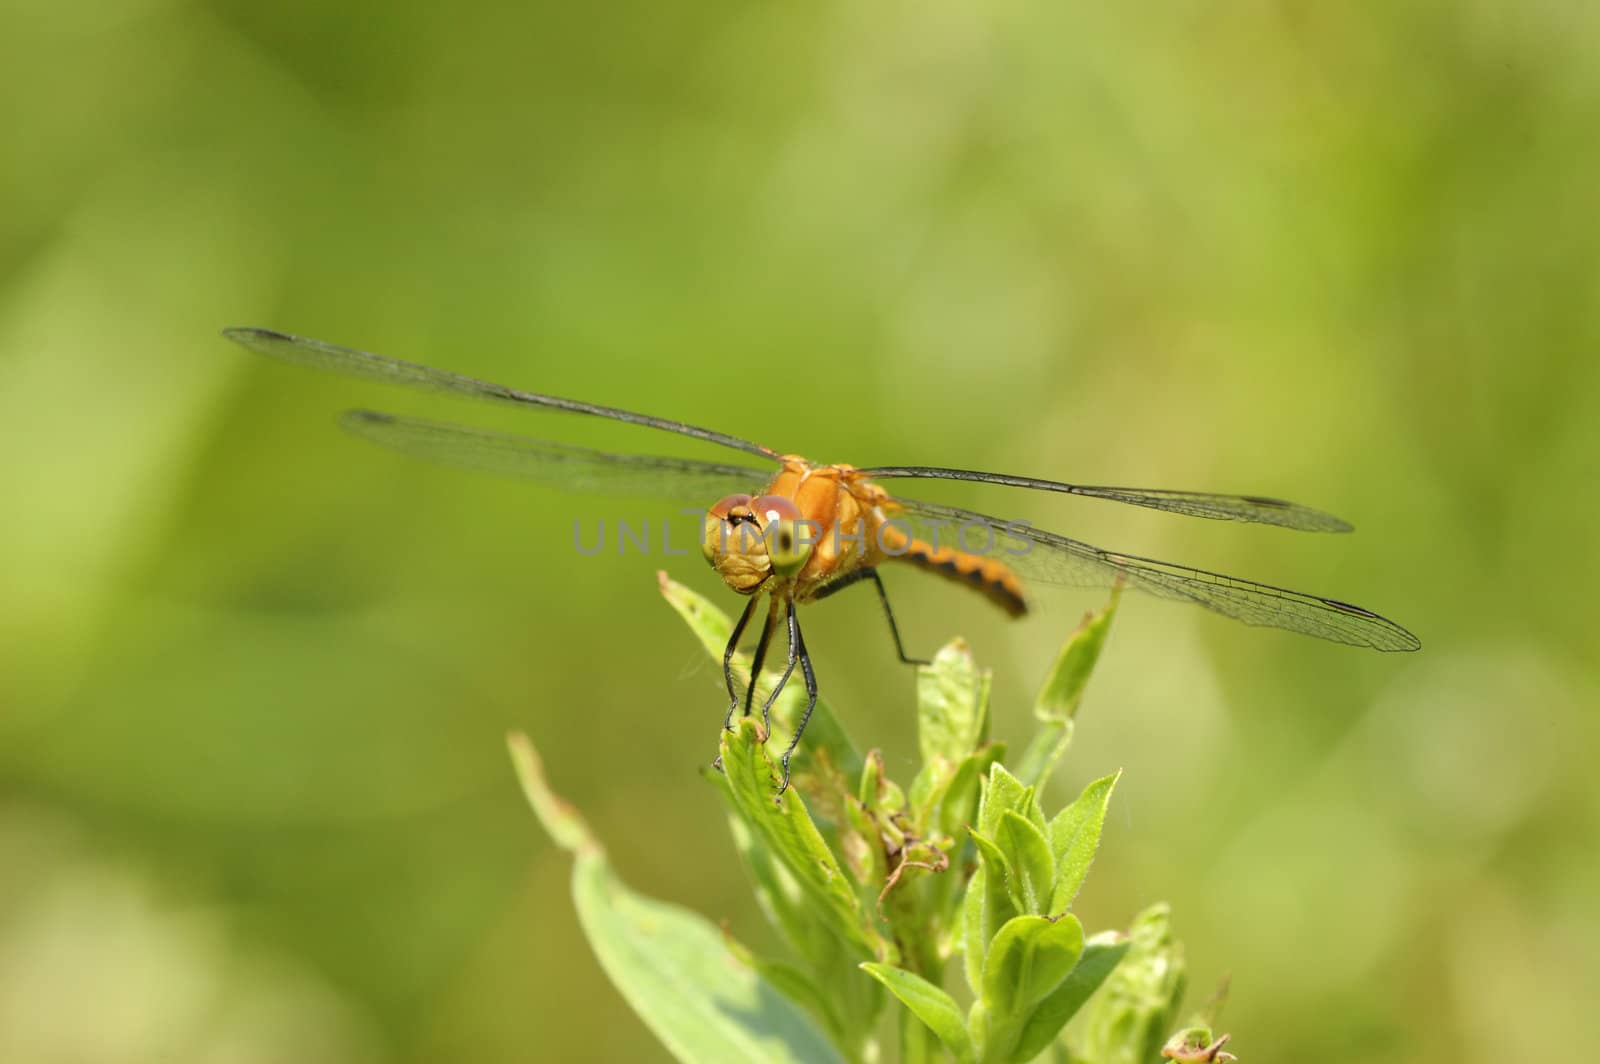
(1056, 707)
(929, 1004)
(670, 964)
(1127, 1022)
(875, 887)
(1074, 835)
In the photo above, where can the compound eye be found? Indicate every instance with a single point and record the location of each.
(727, 505)
(719, 525)
(788, 534)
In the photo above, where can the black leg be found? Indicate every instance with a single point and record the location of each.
(811, 697)
(883, 597)
(727, 657)
(794, 653)
(843, 582)
(894, 629)
(760, 655)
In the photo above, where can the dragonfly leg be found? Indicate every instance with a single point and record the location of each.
(794, 653)
(894, 629)
(811, 697)
(727, 658)
(883, 597)
(760, 656)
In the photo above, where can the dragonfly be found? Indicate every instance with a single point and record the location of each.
(790, 531)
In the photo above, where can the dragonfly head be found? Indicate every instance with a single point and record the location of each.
(746, 540)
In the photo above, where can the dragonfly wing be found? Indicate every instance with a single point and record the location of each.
(364, 364)
(560, 464)
(1055, 559)
(1259, 509)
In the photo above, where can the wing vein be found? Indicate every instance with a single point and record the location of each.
(561, 464)
(1259, 509)
(365, 365)
(1053, 558)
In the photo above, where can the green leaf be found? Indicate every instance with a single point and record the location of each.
(997, 900)
(958, 804)
(871, 790)
(1074, 836)
(827, 748)
(879, 794)
(1029, 858)
(997, 870)
(952, 718)
(860, 844)
(786, 829)
(780, 895)
(1057, 701)
(796, 985)
(1063, 689)
(1127, 1021)
(564, 823)
(1004, 792)
(830, 961)
(952, 702)
(973, 940)
(1101, 955)
(1044, 750)
(1028, 960)
(671, 965)
(929, 1003)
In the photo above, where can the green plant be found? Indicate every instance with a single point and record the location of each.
(873, 887)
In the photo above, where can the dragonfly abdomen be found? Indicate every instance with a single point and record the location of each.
(990, 576)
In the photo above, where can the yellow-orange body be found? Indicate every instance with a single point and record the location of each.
(849, 524)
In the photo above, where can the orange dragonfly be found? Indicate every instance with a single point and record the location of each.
(802, 531)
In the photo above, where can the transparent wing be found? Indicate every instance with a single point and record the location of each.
(364, 364)
(1257, 508)
(1050, 558)
(561, 464)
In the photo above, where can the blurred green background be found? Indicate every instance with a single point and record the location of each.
(255, 674)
